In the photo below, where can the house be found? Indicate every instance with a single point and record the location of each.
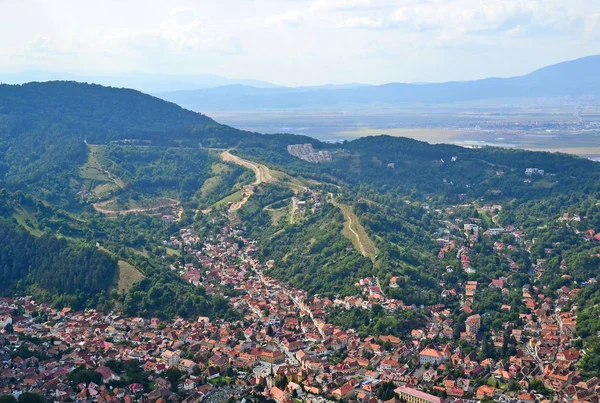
(411, 395)
(107, 374)
(170, 358)
(187, 366)
(189, 384)
(272, 357)
(485, 390)
(212, 373)
(570, 355)
(430, 375)
(432, 356)
(527, 398)
(278, 395)
(388, 364)
(472, 324)
(5, 320)
(343, 392)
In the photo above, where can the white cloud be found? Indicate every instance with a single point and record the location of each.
(340, 5)
(363, 22)
(468, 16)
(45, 46)
(289, 18)
(299, 42)
(592, 26)
(189, 34)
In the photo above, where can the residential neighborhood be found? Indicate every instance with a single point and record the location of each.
(282, 348)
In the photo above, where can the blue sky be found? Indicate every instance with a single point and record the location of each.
(298, 42)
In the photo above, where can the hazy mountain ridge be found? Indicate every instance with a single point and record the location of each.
(146, 82)
(575, 78)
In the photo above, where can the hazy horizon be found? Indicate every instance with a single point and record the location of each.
(298, 42)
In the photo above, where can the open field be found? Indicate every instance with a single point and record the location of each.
(92, 169)
(98, 180)
(581, 151)
(218, 169)
(126, 276)
(232, 198)
(565, 128)
(173, 252)
(278, 214)
(22, 216)
(112, 207)
(356, 233)
(210, 185)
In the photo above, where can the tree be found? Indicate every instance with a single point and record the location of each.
(386, 391)
(282, 382)
(173, 375)
(28, 397)
(82, 375)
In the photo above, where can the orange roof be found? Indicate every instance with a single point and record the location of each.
(430, 352)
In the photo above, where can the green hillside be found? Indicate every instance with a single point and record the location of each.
(380, 209)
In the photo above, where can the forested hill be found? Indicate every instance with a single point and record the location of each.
(44, 126)
(402, 166)
(142, 151)
(93, 110)
(52, 268)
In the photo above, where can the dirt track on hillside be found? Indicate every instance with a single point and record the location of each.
(263, 174)
(98, 208)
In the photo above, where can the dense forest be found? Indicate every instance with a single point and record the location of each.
(43, 127)
(396, 167)
(52, 268)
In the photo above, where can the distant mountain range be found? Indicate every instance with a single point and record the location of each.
(576, 78)
(149, 83)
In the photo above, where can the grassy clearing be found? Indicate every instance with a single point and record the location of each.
(277, 215)
(24, 218)
(104, 189)
(97, 179)
(296, 184)
(92, 169)
(232, 198)
(173, 252)
(219, 168)
(210, 185)
(126, 276)
(356, 233)
(143, 205)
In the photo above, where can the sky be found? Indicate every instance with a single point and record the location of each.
(298, 42)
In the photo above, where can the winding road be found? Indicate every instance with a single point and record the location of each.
(263, 174)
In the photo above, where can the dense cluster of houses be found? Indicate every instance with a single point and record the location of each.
(283, 348)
